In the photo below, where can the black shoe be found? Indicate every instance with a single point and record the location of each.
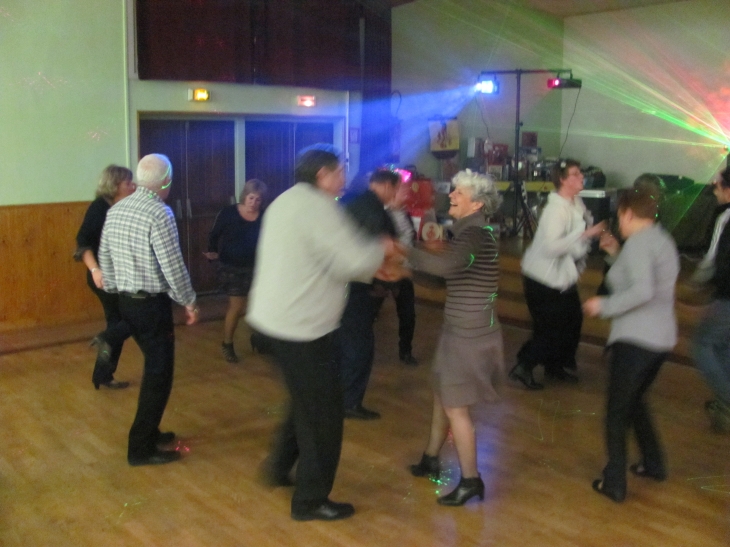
(229, 353)
(618, 497)
(329, 510)
(427, 467)
(156, 458)
(103, 349)
(408, 359)
(359, 412)
(467, 489)
(112, 384)
(166, 438)
(562, 375)
(521, 374)
(639, 470)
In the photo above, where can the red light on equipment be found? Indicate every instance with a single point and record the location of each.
(553, 82)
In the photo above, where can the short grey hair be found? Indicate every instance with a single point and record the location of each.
(153, 171)
(482, 188)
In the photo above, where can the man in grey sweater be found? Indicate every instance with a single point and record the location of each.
(307, 253)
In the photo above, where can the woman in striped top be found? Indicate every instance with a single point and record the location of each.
(469, 360)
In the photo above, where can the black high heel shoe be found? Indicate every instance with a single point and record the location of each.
(112, 384)
(427, 467)
(467, 489)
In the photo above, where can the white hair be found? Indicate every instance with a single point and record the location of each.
(481, 189)
(154, 171)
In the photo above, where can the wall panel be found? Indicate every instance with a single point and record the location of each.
(40, 283)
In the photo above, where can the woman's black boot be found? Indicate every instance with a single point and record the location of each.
(467, 489)
(427, 467)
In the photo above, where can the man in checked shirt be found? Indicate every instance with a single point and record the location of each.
(140, 259)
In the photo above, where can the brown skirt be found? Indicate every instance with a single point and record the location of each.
(468, 370)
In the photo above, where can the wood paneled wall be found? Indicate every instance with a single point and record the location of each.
(40, 283)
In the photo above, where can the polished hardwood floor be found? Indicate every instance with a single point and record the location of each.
(64, 480)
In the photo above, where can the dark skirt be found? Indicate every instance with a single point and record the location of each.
(234, 280)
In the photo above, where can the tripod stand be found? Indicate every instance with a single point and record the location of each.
(522, 216)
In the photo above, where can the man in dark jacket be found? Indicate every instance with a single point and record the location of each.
(357, 341)
(711, 348)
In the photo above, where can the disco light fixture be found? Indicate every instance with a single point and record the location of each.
(564, 80)
(487, 84)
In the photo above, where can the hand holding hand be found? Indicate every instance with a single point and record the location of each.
(435, 245)
(609, 243)
(592, 306)
(595, 230)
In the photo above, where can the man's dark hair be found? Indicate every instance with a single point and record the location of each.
(725, 178)
(312, 158)
(385, 176)
(642, 202)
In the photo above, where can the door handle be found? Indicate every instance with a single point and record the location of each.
(178, 210)
(190, 210)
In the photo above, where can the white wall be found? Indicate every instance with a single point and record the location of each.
(656, 90)
(439, 49)
(62, 117)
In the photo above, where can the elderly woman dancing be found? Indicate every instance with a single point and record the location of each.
(469, 360)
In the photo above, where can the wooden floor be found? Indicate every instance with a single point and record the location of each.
(64, 480)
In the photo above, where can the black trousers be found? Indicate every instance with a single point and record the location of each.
(150, 320)
(312, 430)
(357, 343)
(405, 306)
(557, 318)
(117, 331)
(633, 369)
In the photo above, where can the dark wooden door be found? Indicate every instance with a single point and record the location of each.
(271, 148)
(203, 162)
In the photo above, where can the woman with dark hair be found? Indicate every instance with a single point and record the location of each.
(643, 331)
(114, 185)
(233, 241)
(469, 360)
(551, 266)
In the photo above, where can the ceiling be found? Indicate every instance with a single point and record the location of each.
(570, 8)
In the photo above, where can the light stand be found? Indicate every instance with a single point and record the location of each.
(528, 220)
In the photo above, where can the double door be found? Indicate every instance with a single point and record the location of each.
(203, 156)
(203, 163)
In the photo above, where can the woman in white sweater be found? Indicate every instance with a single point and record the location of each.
(550, 270)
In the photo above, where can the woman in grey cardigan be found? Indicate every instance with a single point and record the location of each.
(643, 331)
(469, 357)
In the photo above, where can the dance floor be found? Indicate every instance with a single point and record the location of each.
(65, 482)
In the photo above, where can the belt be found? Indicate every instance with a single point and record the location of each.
(140, 295)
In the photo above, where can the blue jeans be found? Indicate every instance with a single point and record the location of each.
(711, 349)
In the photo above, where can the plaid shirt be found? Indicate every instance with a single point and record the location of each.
(140, 250)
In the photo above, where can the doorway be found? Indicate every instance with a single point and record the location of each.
(203, 162)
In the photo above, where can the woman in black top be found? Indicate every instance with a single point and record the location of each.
(233, 241)
(115, 184)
